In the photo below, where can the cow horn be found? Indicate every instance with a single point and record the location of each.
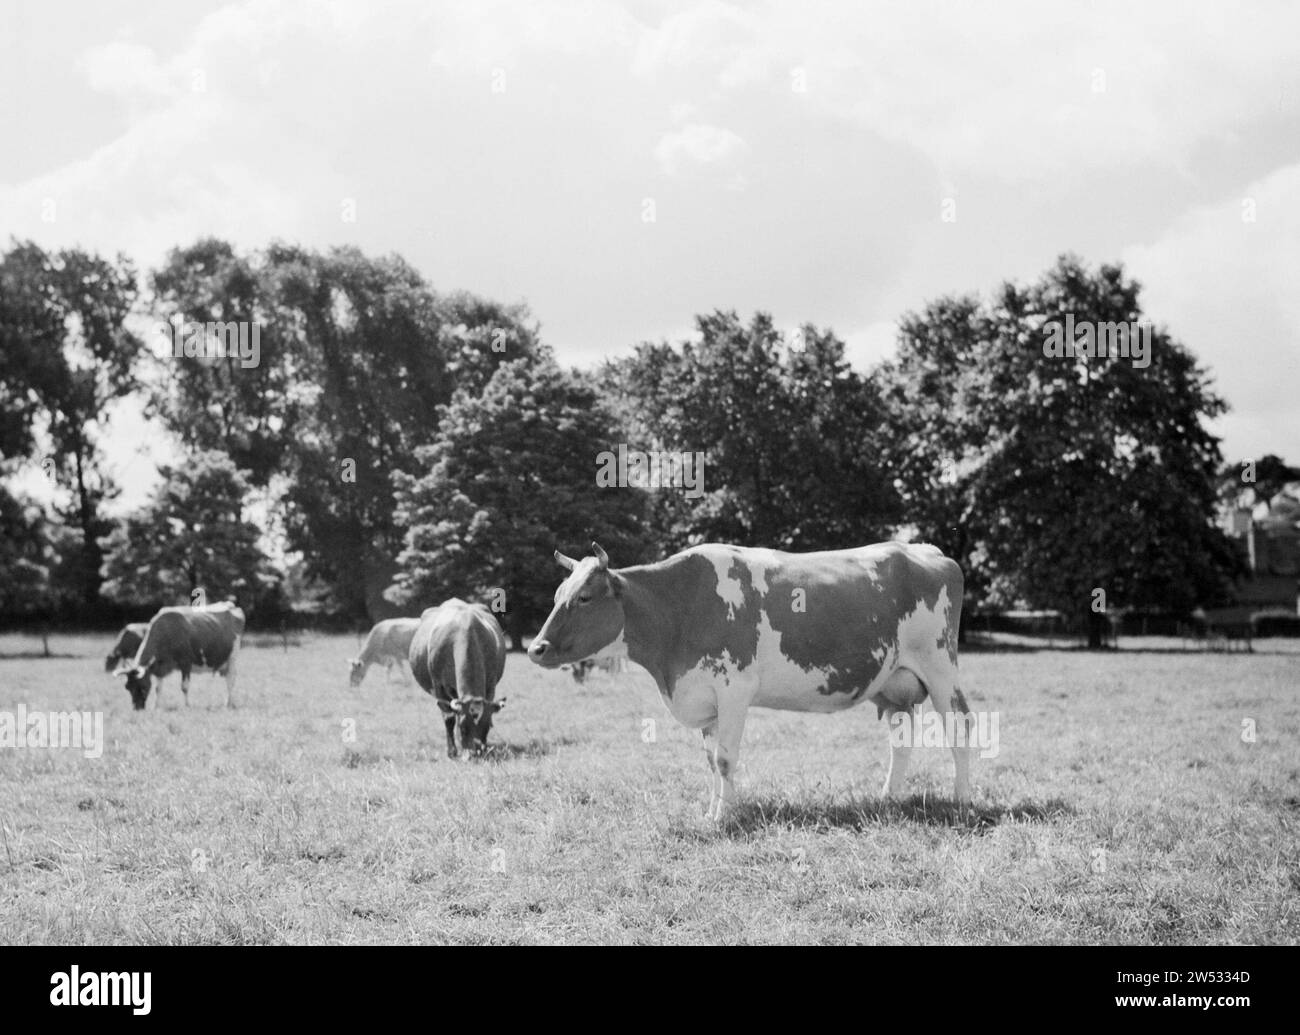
(567, 563)
(455, 704)
(601, 555)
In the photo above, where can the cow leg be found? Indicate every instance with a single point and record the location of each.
(958, 726)
(450, 723)
(710, 753)
(731, 728)
(901, 735)
(230, 675)
(949, 702)
(185, 685)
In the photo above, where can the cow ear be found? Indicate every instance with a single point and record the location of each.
(601, 555)
(498, 704)
(567, 563)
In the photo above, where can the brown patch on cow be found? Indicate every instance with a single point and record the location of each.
(845, 620)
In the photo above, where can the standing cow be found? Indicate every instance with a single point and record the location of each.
(128, 642)
(183, 639)
(721, 628)
(388, 644)
(458, 654)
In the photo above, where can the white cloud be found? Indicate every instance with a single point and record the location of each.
(697, 145)
(127, 69)
(1226, 289)
(534, 191)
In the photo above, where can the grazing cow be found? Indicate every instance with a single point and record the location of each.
(128, 642)
(721, 628)
(580, 670)
(458, 654)
(186, 638)
(388, 644)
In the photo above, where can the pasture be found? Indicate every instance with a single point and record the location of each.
(1123, 806)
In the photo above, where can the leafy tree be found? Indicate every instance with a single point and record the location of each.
(511, 478)
(790, 435)
(358, 357)
(1094, 473)
(26, 556)
(248, 411)
(67, 355)
(191, 535)
(1270, 474)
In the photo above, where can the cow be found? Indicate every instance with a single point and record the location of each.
(580, 670)
(128, 642)
(186, 638)
(457, 655)
(723, 628)
(388, 644)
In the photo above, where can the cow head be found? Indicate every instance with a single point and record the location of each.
(356, 671)
(588, 612)
(474, 720)
(138, 683)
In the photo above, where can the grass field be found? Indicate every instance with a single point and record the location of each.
(1123, 806)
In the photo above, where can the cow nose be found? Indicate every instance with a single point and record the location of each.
(538, 648)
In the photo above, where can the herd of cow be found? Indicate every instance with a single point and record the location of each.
(719, 628)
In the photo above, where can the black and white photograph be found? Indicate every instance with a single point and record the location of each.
(627, 473)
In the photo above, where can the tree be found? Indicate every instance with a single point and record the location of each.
(68, 356)
(1094, 473)
(510, 479)
(789, 431)
(26, 558)
(359, 356)
(192, 535)
(1247, 483)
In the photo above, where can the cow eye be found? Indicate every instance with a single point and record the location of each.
(584, 598)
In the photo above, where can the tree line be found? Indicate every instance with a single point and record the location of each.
(394, 445)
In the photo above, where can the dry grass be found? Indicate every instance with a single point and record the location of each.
(1123, 807)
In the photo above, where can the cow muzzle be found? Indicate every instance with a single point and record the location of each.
(542, 652)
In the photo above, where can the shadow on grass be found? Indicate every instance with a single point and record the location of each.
(862, 813)
(36, 655)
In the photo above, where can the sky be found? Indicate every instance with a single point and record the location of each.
(622, 167)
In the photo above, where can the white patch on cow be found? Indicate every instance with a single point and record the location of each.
(784, 684)
(696, 692)
(758, 561)
(920, 631)
(730, 589)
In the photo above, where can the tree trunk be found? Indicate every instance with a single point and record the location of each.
(1097, 626)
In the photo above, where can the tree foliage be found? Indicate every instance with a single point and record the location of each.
(1053, 477)
(66, 355)
(510, 479)
(790, 432)
(192, 535)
